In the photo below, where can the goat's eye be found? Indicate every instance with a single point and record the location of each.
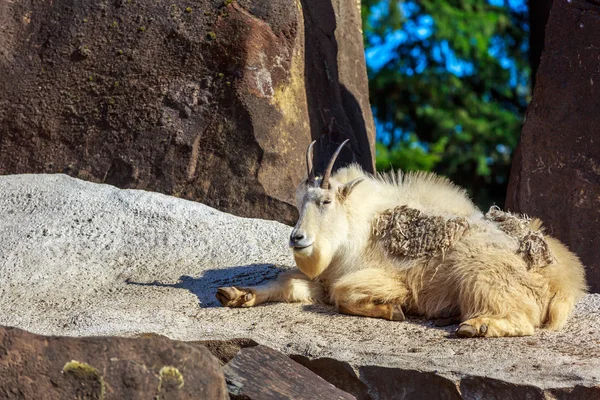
(326, 201)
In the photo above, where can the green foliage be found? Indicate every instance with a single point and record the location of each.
(451, 93)
(409, 157)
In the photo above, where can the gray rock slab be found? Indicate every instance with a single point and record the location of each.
(78, 259)
(249, 371)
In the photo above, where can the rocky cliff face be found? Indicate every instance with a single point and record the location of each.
(214, 101)
(556, 169)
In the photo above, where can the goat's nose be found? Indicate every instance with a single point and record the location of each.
(297, 236)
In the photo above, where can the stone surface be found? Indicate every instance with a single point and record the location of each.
(78, 258)
(213, 100)
(408, 384)
(41, 367)
(225, 350)
(261, 373)
(556, 169)
(474, 388)
(575, 393)
(338, 373)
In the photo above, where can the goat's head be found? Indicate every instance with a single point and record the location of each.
(323, 224)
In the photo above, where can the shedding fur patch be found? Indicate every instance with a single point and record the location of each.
(408, 232)
(532, 245)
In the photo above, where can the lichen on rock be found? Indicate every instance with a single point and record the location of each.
(170, 377)
(532, 245)
(91, 383)
(408, 232)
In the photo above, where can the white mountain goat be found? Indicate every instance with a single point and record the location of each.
(382, 246)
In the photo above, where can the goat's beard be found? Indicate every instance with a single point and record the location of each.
(313, 263)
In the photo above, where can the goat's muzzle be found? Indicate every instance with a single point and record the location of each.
(299, 240)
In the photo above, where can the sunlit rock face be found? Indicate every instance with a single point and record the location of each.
(214, 101)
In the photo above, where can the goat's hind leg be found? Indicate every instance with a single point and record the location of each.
(292, 286)
(371, 293)
(497, 295)
(491, 311)
(390, 311)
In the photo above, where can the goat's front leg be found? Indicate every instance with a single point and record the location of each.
(371, 293)
(289, 287)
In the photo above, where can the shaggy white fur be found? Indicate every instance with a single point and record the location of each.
(472, 267)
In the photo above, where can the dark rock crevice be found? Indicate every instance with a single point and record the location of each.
(335, 112)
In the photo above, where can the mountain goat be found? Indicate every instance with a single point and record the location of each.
(382, 246)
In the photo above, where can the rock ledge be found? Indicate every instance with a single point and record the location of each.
(81, 259)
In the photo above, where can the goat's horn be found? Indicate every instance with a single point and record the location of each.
(327, 174)
(309, 160)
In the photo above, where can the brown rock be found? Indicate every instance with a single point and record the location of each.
(574, 393)
(338, 373)
(478, 387)
(405, 384)
(262, 373)
(48, 367)
(225, 350)
(556, 169)
(214, 102)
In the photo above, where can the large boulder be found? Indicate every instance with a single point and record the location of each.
(556, 168)
(57, 368)
(79, 258)
(209, 100)
(150, 367)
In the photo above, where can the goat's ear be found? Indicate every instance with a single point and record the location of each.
(345, 190)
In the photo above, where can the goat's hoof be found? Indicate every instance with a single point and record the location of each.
(466, 331)
(469, 331)
(397, 313)
(235, 297)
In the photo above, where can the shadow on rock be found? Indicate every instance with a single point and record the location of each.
(448, 325)
(205, 286)
(325, 309)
